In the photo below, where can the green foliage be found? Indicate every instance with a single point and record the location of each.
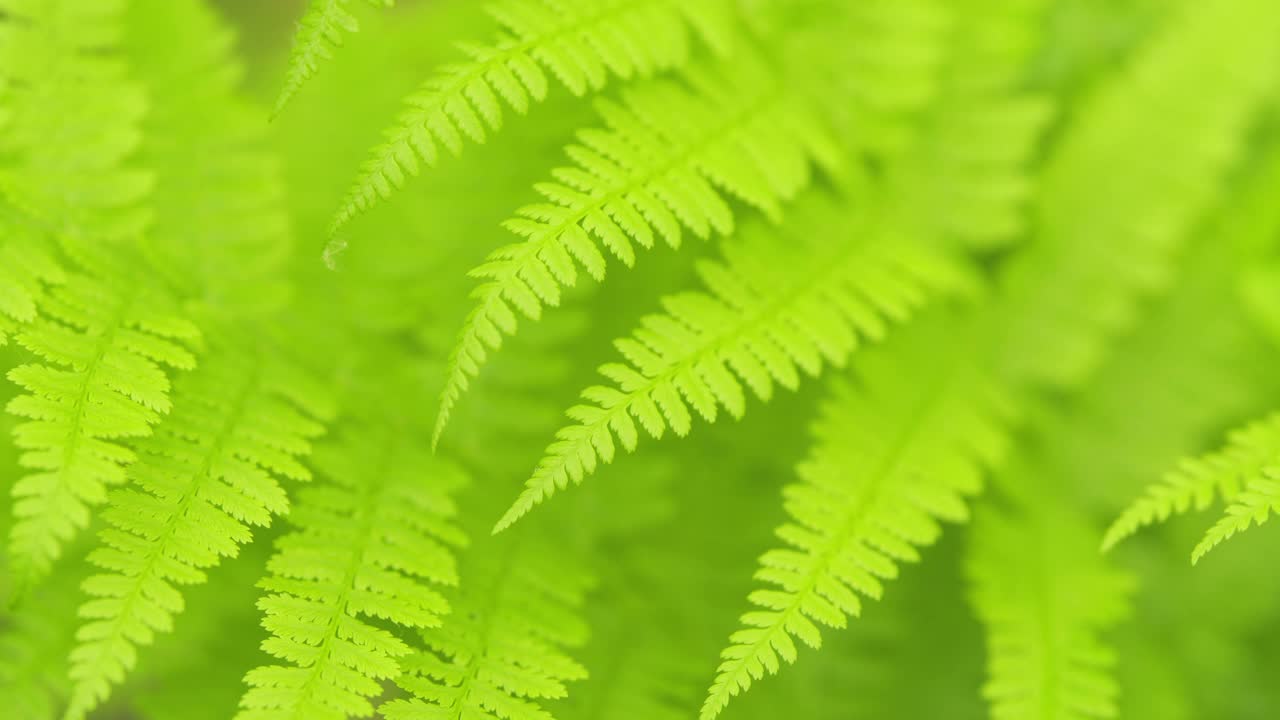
(369, 543)
(653, 172)
(101, 347)
(580, 42)
(1030, 248)
(205, 479)
(1045, 596)
(504, 654)
(319, 32)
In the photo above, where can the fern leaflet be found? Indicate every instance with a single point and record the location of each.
(1253, 506)
(208, 475)
(103, 342)
(655, 170)
(903, 451)
(502, 651)
(319, 31)
(784, 299)
(580, 42)
(370, 542)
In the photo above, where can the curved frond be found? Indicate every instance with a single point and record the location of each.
(502, 651)
(662, 166)
(1251, 455)
(319, 32)
(579, 42)
(1045, 598)
(102, 341)
(786, 300)
(897, 451)
(371, 541)
(208, 476)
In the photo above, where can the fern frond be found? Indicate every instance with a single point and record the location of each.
(503, 649)
(896, 452)
(102, 343)
(201, 483)
(220, 228)
(785, 300)
(1147, 210)
(662, 166)
(371, 541)
(319, 32)
(580, 42)
(1251, 455)
(1253, 506)
(1045, 598)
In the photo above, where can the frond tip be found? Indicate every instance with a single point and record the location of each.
(1254, 506)
(319, 31)
(580, 42)
(893, 458)
(1252, 456)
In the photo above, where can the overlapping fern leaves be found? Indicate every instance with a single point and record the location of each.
(857, 163)
(670, 152)
(580, 42)
(1243, 475)
(892, 458)
(208, 476)
(372, 542)
(762, 320)
(103, 343)
(503, 651)
(1059, 264)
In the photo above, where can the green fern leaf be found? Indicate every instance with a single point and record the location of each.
(319, 32)
(102, 343)
(580, 42)
(786, 300)
(661, 167)
(1250, 456)
(202, 482)
(903, 451)
(370, 542)
(502, 651)
(1253, 506)
(1044, 597)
